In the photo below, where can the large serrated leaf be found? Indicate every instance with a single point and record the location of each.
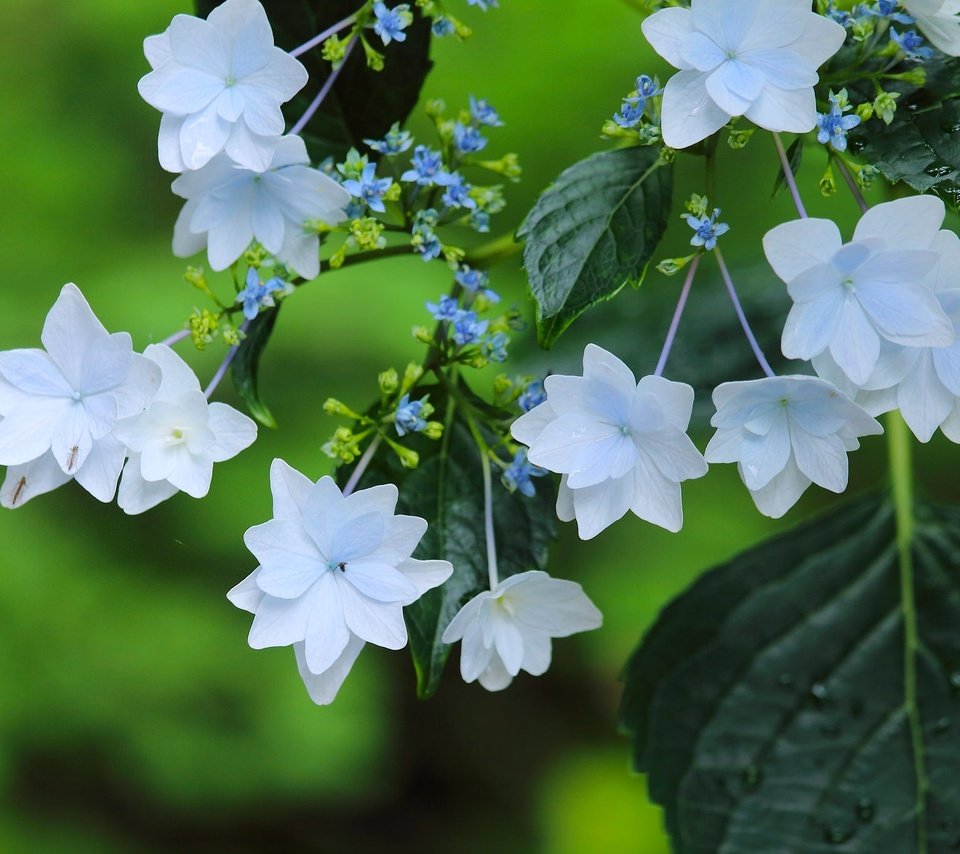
(769, 703)
(594, 231)
(446, 489)
(363, 103)
(245, 367)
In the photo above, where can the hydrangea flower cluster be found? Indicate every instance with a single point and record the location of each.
(87, 407)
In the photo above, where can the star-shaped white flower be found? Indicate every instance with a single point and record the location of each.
(621, 445)
(939, 21)
(785, 433)
(753, 58)
(334, 572)
(228, 206)
(174, 443)
(66, 399)
(508, 629)
(879, 287)
(219, 84)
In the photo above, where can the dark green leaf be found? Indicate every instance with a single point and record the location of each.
(363, 103)
(795, 158)
(921, 146)
(246, 364)
(769, 706)
(447, 490)
(594, 231)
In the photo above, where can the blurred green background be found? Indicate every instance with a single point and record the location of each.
(132, 713)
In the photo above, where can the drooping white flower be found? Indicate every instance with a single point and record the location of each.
(334, 572)
(850, 297)
(219, 83)
(939, 21)
(621, 445)
(753, 58)
(174, 443)
(508, 629)
(785, 433)
(228, 206)
(66, 399)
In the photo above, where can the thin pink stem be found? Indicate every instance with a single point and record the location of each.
(324, 91)
(320, 39)
(852, 184)
(738, 308)
(675, 323)
(788, 174)
(362, 466)
(176, 338)
(224, 365)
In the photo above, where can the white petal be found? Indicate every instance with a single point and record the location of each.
(795, 247)
(725, 445)
(202, 136)
(495, 677)
(267, 222)
(168, 143)
(69, 331)
(598, 507)
(602, 365)
(31, 479)
(380, 581)
(195, 43)
(924, 401)
(71, 440)
(247, 595)
(656, 498)
(762, 458)
(856, 346)
(811, 326)
(34, 372)
(137, 495)
(281, 622)
(233, 430)
(376, 622)
(28, 433)
(906, 313)
(823, 459)
(821, 38)
(326, 635)
(528, 427)
(291, 562)
(912, 222)
(185, 241)
(675, 398)
(665, 30)
(290, 491)
(101, 469)
(475, 656)
(734, 86)
(776, 109)
(781, 493)
(578, 443)
(689, 113)
(553, 605)
(566, 511)
(250, 150)
(537, 652)
(468, 615)
(426, 574)
(323, 687)
(507, 639)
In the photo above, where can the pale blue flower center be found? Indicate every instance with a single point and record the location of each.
(849, 284)
(77, 396)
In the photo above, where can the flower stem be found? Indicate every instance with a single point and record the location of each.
(225, 364)
(738, 308)
(852, 184)
(788, 174)
(675, 323)
(324, 91)
(362, 466)
(176, 338)
(309, 45)
(487, 504)
(901, 473)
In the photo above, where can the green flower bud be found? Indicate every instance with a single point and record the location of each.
(334, 50)
(672, 266)
(828, 183)
(864, 111)
(433, 430)
(502, 385)
(204, 327)
(374, 57)
(885, 105)
(332, 406)
(389, 381)
(739, 137)
(422, 334)
(411, 376)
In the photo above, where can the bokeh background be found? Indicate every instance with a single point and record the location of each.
(132, 714)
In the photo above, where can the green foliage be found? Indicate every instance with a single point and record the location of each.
(446, 489)
(921, 146)
(769, 705)
(363, 103)
(245, 367)
(594, 231)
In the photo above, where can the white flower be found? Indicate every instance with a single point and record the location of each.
(621, 445)
(849, 298)
(334, 572)
(508, 629)
(228, 206)
(753, 58)
(939, 21)
(31, 479)
(786, 433)
(174, 443)
(219, 84)
(65, 400)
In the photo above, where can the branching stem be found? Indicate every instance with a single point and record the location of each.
(675, 323)
(744, 323)
(788, 175)
(324, 91)
(322, 37)
(362, 466)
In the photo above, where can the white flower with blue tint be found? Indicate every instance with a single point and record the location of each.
(619, 444)
(229, 206)
(335, 572)
(939, 21)
(849, 298)
(785, 433)
(60, 404)
(219, 83)
(753, 58)
(174, 443)
(509, 629)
